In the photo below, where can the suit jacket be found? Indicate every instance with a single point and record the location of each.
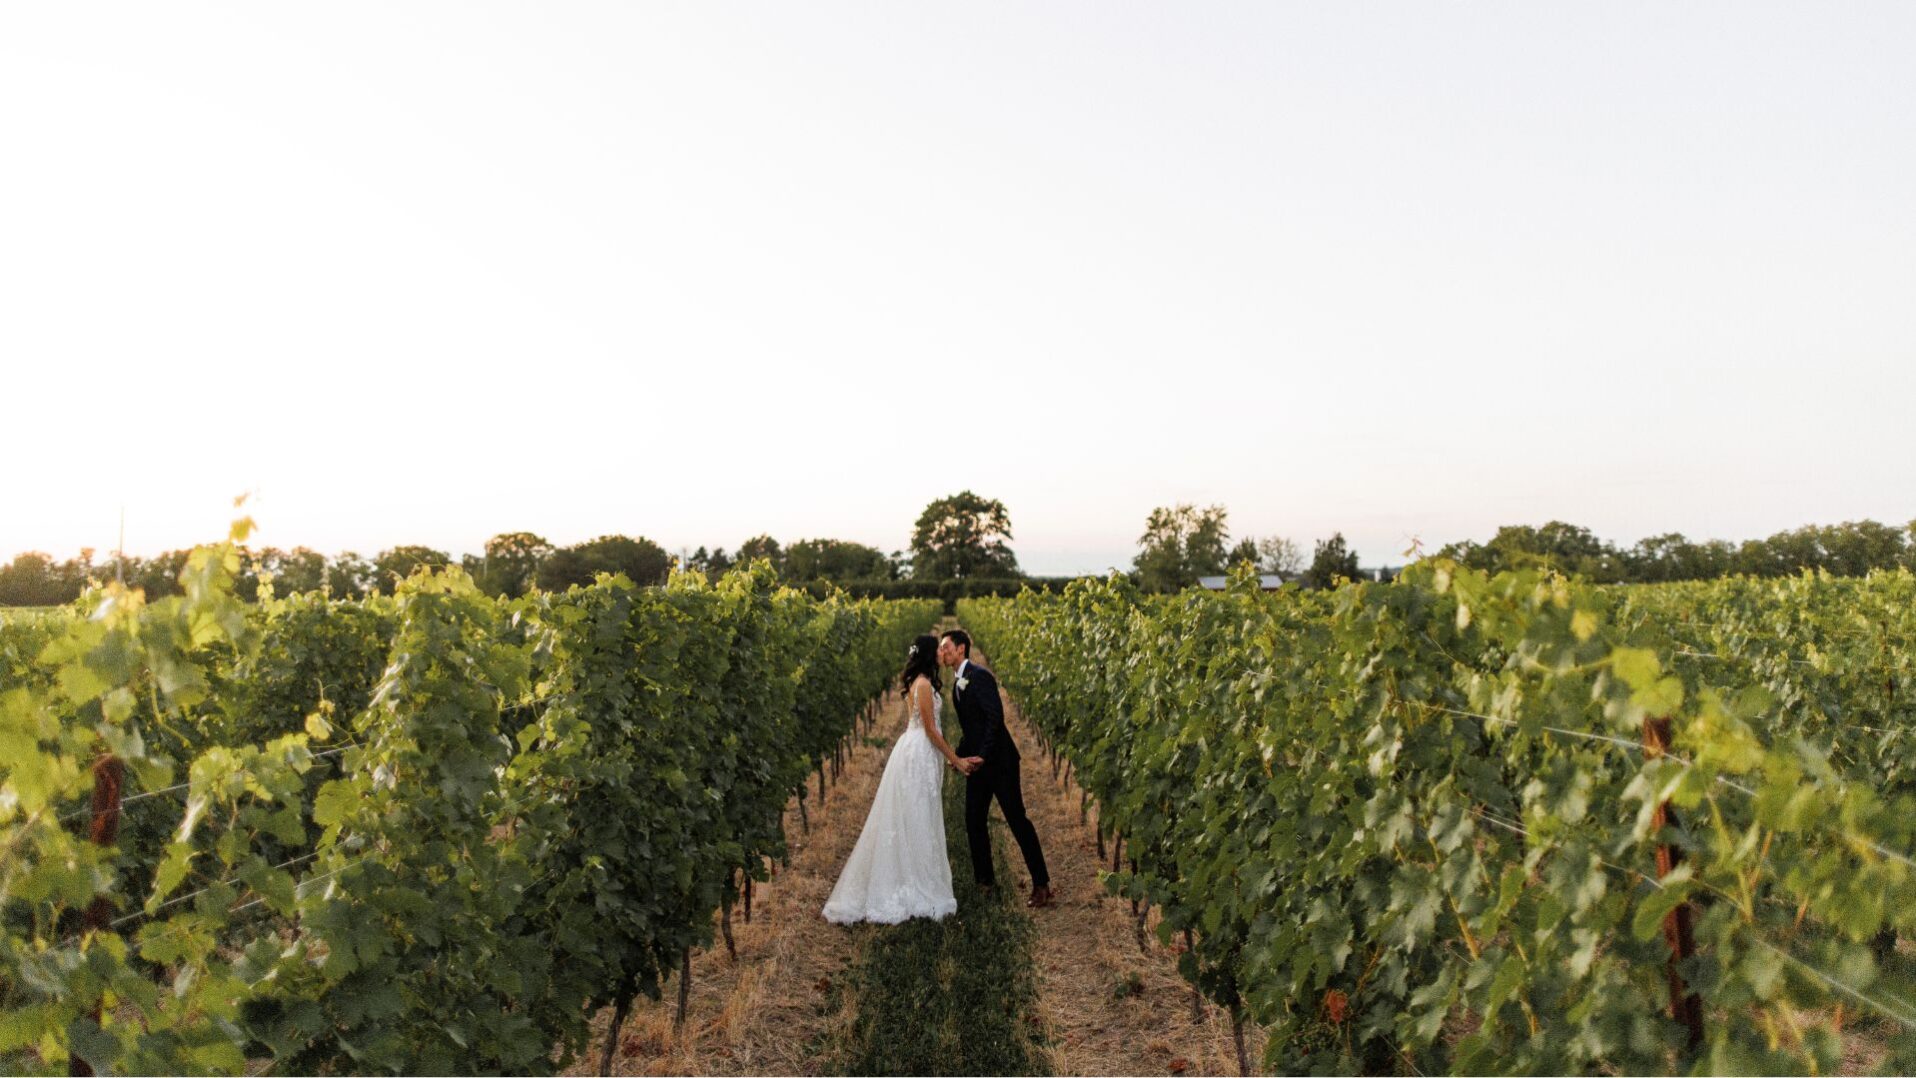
(981, 714)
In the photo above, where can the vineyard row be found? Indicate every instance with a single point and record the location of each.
(1509, 823)
(433, 832)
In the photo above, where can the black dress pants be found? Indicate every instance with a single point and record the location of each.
(1000, 779)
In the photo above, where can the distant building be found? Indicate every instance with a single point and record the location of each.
(1267, 581)
(1272, 581)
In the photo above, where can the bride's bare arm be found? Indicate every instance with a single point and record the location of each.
(921, 702)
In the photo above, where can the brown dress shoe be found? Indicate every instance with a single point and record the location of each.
(1040, 898)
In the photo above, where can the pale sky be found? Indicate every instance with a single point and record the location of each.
(421, 273)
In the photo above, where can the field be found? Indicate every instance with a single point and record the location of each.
(1510, 824)
(1459, 822)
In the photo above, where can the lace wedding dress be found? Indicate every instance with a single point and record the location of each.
(899, 869)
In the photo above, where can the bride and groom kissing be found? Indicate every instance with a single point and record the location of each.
(898, 869)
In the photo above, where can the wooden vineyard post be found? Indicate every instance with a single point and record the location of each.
(1139, 912)
(1197, 999)
(1237, 1038)
(619, 1012)
(103, 829)
(748, 898)
(685, 990)
(1678, 929)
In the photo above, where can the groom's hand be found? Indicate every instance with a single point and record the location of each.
(971, 763)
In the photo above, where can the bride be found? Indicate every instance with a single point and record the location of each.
(899, 868)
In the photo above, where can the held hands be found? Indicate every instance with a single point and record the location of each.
(967, 764)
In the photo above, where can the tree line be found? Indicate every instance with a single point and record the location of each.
(1854, 548)
(1182, 543)
(964, 537)
(961, 545)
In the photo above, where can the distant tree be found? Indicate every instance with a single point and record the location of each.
(295, 571)
(1854, 548)
(719, 563)
(1567, 548)
(157, 576)
(1181, 544)
(962, 537)
(901, 564)
(1670, 556)
(640, 559)
(1280, 556)
(1467, 552)
(835, 559)
(1849, 549)
(1333, 558)
(35, 579)
(761, 546)
(1244, 553)
(511, 563)
(395, 565)
(349, 576)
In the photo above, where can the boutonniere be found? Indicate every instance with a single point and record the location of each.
(962, 682)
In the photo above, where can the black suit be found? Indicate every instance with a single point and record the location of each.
(981, 712)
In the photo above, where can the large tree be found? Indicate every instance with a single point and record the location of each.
(1568, 548)
(1180, 544)
(1332, 559)
(1245, 553)
(349, 576)
(962, 537)
(1274, 554)
(35, 579)
(298, 570)
(835, 559)
(159, 575)
(511, 563)
(760, 546)
(640, 559)
(395, 565)
(1280, 556)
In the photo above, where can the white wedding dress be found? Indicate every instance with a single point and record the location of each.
(899, 868)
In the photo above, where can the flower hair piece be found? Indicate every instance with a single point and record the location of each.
(913, 651)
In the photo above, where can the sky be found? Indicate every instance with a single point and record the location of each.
(427, 272)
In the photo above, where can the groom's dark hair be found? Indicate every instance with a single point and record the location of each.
(960, 638)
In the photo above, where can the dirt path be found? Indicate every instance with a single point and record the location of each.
(766, 1012)
(1106, 1007)
(1109, 1007)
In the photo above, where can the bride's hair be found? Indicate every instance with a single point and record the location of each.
(921, 661)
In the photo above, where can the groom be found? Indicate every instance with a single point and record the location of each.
(990, 763)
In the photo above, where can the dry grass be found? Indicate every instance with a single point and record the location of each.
(766, 1012)
(1086, 948)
